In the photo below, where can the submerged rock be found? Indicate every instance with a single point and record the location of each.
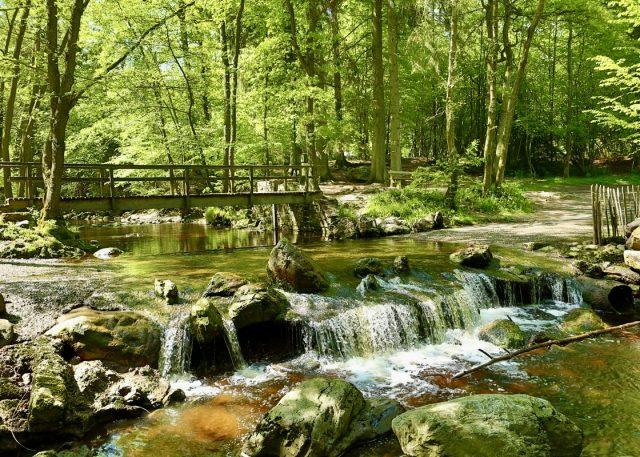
(223, 284)
(368, 266)
(107, 253)
(290, 266)
(503, 333)
(488, 426)
(168, 290)
(401, 264)
(320, 417)
(582, 320)
(126, 338)
(369, 282)
(474, 256)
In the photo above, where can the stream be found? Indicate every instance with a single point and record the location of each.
(401, 341)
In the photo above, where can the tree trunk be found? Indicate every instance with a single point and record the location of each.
(450, 109)
(237, 42)
(395, 146)
(341, 159)
(509, 105)
(226, 160)
(492, 94)
(11, 99)
(569, 118)
(378, 165)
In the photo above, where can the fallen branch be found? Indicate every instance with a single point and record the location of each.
(546, 344)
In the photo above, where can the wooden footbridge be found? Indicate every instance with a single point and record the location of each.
(117, 188)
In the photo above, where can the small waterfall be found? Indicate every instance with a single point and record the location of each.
(480, 288)
(176, 346)
(233, 344)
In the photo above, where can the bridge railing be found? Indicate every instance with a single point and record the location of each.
(114, 180)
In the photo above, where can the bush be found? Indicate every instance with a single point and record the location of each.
(218, 217)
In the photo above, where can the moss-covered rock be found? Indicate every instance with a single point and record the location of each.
(257, 303)
(581, 320)
(205, 318)
(474, 256)
(126, 338)
(488, 426)
(290, 267)
(167, 290)
(368, 266)
(224, 284)
(7, 334)
(320, 417)
(48, 240)
(504, 333)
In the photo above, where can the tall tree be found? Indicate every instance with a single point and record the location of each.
(395, 147)
(450, 107)
(378, 162)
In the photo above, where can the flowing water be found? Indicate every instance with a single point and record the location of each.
(175, 354)
(403, 340)
(233, 344)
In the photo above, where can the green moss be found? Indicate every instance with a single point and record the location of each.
(503, 333)
(49, 240)
(581, 320)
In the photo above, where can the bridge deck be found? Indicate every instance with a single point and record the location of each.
(106, 187)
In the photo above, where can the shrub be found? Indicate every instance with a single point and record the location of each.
(218, 217)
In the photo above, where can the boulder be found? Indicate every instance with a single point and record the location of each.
(368, 266)
(205, 318)
(503, 333)
(633, 241)
(534, 245)
(473, 256)
(581, 320)
(3, 305)
(369, 282)
(593, 270)
(401, 264)
(631, 226)
(126, 338)
(291, 267)
(367, 227)
(223, 284)
(167, 290)
(257, 303)
(488, 426)
(393, 226)
(107, 253)
(632, 259)
(7, 334)
(622, 274)
(431, 222)
(320, 418)
(343, 228)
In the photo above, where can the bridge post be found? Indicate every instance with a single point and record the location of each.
(112, 190)
(250, 187)
(185, 176)
(276, 228)
(29, 190)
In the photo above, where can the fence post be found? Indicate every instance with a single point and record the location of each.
(29, 194)
(274, 216)
(306, 180)
(185, 176)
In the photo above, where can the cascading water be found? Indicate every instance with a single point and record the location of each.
(233, 344)
(411, 314)
(176, 346)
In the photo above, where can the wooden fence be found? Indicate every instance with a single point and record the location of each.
(613, 208)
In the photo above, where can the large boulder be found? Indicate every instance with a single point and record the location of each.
(488, 426)
(368, 266)
(343, 228)
(320, 418)
(393, 226)
(430, 222)
(126, 338)
(631, 226)
(257, 303)
(367, 227)
(633, 241)
(473, 256)
(632, 259)
(622, 274)
(503, 333)
(7, 334)
(223, 284)
(582, 320)
(291, 267)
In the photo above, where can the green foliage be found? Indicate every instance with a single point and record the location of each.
(219, 217)
(414, 202)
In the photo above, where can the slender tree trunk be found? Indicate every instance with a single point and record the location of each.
(395, 147)
(226, 161)
(451, 108)
(492, 94)
(341, 159)
(237, 42)
(569, 116)
(509, 105)
(378, 163)
(11, 20)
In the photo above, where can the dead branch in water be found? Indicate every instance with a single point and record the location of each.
(546, 344)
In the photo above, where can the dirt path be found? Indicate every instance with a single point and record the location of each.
(562, 215)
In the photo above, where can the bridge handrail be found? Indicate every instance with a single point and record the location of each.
(119, 166)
